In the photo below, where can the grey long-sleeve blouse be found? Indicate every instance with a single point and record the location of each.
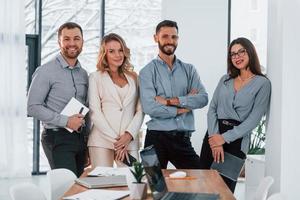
(248, 105)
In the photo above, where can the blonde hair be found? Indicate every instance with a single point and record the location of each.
(102, 64)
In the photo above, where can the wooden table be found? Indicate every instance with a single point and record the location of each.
(206, 181)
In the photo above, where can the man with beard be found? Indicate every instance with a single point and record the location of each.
(170, 90)
(52, 87)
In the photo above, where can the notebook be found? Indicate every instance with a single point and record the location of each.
(157, 182)
(231, 167)
(102, 182)
(99, 194)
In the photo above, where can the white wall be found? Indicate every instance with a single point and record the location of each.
(282, 152)
(202, 42)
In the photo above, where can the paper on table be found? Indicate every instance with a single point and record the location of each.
(74, 107)
(99, 194)
(109, 171)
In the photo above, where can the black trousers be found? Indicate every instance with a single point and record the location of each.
(234, 148)
(173, 146)
(64, 149)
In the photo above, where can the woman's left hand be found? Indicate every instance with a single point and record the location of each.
(123, 141)
(218, 154)
(216, 140)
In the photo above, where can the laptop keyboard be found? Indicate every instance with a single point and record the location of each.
(189, 196)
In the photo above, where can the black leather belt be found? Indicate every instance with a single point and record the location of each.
(230, 122)
(173, 133)
(55, 129)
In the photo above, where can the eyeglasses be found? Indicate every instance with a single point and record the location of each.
(239, 53)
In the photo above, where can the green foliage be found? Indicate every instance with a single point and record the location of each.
(257, 145)
(138, 171)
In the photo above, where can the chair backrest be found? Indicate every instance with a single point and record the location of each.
(60, 181)
(26, 191)
(262, 190)
(276, 196)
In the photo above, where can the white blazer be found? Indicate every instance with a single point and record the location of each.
(110, 116)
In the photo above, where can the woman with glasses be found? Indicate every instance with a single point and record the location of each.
(240, 100)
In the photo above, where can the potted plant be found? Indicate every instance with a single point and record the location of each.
(138, 189)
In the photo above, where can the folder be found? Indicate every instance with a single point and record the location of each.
(102, 182)
(74, 107)
(231, 167)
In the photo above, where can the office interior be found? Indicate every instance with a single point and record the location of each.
(27, 39)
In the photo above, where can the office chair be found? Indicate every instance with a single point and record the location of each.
(261, 192)
(276, 196)
(60, 181)
(26, 191)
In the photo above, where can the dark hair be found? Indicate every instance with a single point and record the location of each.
(253, 65)
(69, 25)
(166, 23)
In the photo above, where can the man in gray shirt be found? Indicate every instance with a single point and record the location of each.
(170, 89)
(52, 87)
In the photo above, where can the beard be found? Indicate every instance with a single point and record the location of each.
(71, 54)
(166, 50)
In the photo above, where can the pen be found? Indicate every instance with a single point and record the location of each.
(80, 111)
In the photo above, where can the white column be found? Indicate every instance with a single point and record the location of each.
(283, 136)
(14, 159)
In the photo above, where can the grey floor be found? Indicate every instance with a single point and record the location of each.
(41, 182)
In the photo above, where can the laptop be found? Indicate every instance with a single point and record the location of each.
(102, 181)
(157, 182)
(231, 167)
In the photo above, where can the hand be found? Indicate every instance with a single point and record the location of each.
(75, 121)
(218, 154)
(182, 110)
(193, 92)
(216, 140)
(121, 154)
(161, 100)
(123, 141)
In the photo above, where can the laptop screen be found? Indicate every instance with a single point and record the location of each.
(153, 172)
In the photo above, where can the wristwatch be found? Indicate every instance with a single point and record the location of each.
(168, 102)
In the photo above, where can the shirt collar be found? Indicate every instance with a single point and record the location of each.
(163, 62)
(64, 63)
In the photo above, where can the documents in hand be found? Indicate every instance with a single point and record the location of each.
(102, 181)
(74, 107)
(231, 167)
(99, 195)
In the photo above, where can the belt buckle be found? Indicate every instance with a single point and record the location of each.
(225, 122)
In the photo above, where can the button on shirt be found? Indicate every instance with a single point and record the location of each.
(156, 79)
(52, 87)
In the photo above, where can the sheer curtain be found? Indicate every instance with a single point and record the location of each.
(13, 142)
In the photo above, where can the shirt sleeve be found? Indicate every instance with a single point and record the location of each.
(38, 91)
(260, 107)
(212, 116)
(198, 100)
(148, 93)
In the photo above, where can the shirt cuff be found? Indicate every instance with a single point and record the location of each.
(228, 136)
(63, 121)
(182, 101)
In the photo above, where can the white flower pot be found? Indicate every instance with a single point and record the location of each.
(138, 191)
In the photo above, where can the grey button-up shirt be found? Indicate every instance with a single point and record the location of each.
(52, 87)
(156, 79)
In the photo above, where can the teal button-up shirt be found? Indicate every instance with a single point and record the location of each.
(156, 79)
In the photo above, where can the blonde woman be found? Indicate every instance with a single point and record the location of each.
(115, 109)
